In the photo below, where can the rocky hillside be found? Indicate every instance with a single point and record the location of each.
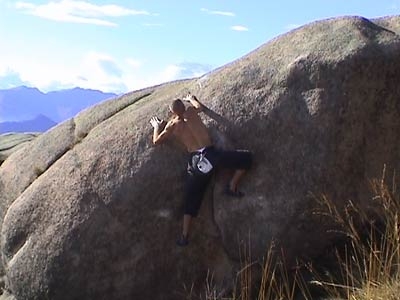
(91, 209)
(11, 142)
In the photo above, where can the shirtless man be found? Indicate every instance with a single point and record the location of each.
(187, 126)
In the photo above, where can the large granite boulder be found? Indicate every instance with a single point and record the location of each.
(11, 142)
(91, 209)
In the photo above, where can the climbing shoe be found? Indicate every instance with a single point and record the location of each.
(182, 241)
(230, 193)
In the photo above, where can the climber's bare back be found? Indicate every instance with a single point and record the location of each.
(190, 131)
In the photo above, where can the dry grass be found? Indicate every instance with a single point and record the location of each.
(367, 267)
(277, 283)
(369, 264)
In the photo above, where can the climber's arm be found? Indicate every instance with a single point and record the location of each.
(199, 107)
(160, 137)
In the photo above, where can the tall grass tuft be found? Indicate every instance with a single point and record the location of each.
(368, 265)
(277, 281)
(365, 267)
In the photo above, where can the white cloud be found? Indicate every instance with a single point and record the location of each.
(171, 72)
(9, 78)
(135, 80)
(218, 12)
(92, 70)
(99, 69)
(292, 26)
(134, 63)
(153, 24)
(239, 28)
(78, 12)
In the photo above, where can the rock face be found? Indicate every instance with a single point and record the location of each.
(11, 142)
(92, 209)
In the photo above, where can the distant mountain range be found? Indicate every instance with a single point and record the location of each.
(39, 124)
(25, 109)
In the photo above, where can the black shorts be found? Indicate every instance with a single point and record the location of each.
(196, 182)
(234, 159)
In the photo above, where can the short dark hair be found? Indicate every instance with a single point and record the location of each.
(178, 107)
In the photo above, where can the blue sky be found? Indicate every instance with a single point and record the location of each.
(120, 46)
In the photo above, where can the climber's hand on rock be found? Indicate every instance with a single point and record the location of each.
(189, 97)
(155, 122)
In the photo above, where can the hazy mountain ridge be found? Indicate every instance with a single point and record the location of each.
(40, 123)
(26, 103)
